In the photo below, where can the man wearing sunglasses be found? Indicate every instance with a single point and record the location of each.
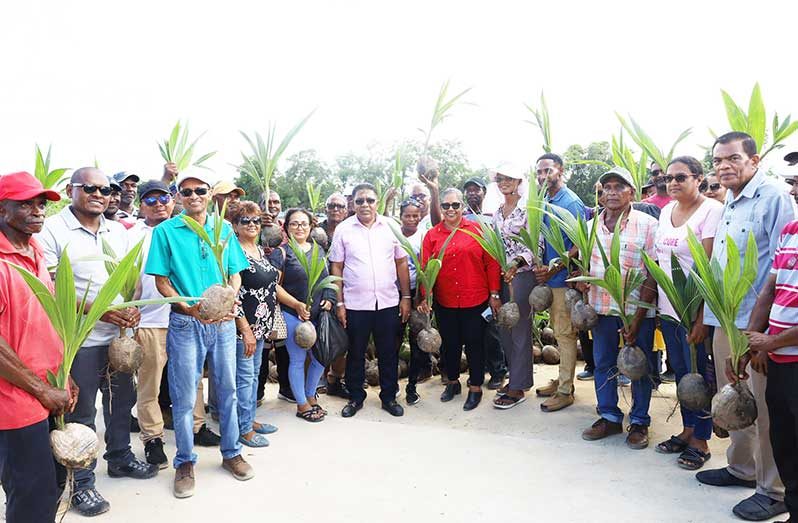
(661, 198)
(79, 231)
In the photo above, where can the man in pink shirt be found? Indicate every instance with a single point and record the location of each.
(661, 198)
(366, 254)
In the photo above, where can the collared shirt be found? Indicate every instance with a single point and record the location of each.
(179, 254)
(511, 226)
(637, 234)
(784, 311)
(568, 200)
(763, 207)
(369, 256)
(27, 330)
(468, 273)
(152, 316)
(64, 231)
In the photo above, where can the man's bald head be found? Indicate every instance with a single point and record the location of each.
(85, 173)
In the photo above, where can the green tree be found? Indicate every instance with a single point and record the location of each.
(581, 172)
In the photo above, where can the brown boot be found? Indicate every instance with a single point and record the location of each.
(601, 429)
(240, 469)
(638, 437)
(548, 390)
(184, 481)
(557, 402)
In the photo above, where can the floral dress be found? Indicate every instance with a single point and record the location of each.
(258, 295)
(511, 226)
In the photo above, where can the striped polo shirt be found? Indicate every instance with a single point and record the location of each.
(784, 312)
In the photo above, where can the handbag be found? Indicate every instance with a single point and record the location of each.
(279, 328)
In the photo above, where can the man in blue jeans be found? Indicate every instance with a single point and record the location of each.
(184, 266)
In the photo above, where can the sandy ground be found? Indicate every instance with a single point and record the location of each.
(437, 463)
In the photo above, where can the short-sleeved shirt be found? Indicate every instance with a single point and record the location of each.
(703, 222)
(295, 280)
(659, 201)
(784, 311)
(63, 232)
(179, 254)
(415, 240)
(27, 330)
(568, 200)
(638, 231)
(152, 316)
(258, 295)
(763, 207)
(511, 226)
(369, 256)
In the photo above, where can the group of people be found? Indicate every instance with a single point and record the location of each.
(377, 293)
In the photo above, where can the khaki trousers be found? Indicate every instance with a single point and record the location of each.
(750, 454)
(560, 319)
(153, 344)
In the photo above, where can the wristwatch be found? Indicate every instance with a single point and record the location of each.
(340, 304)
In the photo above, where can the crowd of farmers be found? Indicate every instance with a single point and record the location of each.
(372, 301)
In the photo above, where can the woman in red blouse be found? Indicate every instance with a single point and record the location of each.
(467, 284)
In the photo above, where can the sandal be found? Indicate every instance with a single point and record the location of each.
(502, 391)
(312, 415)
(319, 408)
(506, 401)
(674, 445)
(693, 459)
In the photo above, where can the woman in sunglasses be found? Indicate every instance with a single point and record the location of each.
(711, 188)
(467, 284)
(689, 210)
(294, 280)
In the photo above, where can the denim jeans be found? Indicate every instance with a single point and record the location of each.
(187, 345)
(606, 341)
(302, 385)
(247, 369)
(679, 354)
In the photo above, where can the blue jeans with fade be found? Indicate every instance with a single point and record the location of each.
(188, 342)
(606, 341)
(247, 370)
(302, 385)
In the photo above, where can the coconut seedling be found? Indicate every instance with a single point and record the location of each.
(397, 180)
(317, 234)
(693, 391)
(42, 172)
(647, 145)
(723, 290)
(439, 113)
(177, 149)
(305, 332)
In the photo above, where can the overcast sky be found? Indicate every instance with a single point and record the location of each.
(105, 80)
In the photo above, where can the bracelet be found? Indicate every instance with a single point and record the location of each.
(407, 297)
(339, 304)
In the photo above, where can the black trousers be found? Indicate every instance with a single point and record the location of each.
(463, 327)
(27, 472)
(419, 360)
(383, 325)
(781, 396)
(587, 350)
(281, 357)
(494, 353)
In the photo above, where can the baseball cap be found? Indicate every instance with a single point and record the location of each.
(791, 158)
(474, 181)
(193, 173)
(226, 187)
(114, 185)
(152, 186)
(618, 172)
(23, 186)
(125, 175)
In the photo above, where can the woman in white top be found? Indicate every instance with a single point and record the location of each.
(688, 210)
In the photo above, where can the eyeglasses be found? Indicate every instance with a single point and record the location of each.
(450, 205)
(88, 188)
(199, 191)
(335, 206)
(680, 178)
(361, 201)
(299, 225)
(246, 220)
(163, 199)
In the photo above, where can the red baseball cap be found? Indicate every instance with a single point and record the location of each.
(23, 186)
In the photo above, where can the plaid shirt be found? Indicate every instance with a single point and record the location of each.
(637, 235)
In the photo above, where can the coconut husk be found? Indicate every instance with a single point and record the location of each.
(217, 302)
(632, 362)
(734, 407)
(572, 296)
(537, 354)
(547, 336)
(125, 355)
(463, 363)
(550, 354)
(319, 235)
(429, 340)
(273, 376)
(509, 315)
(305, 335)
(403, 369)
(271, 235)
(583, 316)
(541, 298)
(427, 165)
(418, 321)
(694, 393)
(372, 374)
(75, 446)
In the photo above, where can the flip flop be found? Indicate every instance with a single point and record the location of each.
(311, 415)
(499, 402)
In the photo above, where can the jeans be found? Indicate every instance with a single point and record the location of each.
(302, 385)
(782, 400)
(27, 472)
(89, 370)
(383, 325)
(463, 327)
(187, 345)
(679, 352)
(606, 341)
(495, 362)
(247, 370)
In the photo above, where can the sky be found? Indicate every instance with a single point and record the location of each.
(107, 80)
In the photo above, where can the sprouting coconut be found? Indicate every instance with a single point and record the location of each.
(694, 393)
(125, 354)
(217, 302)
(429, 340)
(305, 334)
(572, 296)
(418, 322)
(271, 235)
(734, 407)
(75, 446)
(550, 354)
(509, 315)
(547, 336)
(632, 362)
(319, 235)
(541, 298)
(537, 354)
(583, 316)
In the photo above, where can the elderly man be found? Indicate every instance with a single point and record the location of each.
(111, 212)
(227, 192)
(128, 183)
(335, 207)
(368, 257)
(29, 349)
(80, 231)
(758, 204)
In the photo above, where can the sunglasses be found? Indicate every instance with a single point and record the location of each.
(712, 187)
(199, 191)
(680, 178)
(163, 199)
(447, 205)
(246, 220)
(656, 173)
(335, 206)
(361, 201)
(105, 190)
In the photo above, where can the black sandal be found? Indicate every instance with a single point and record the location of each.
(312, 415)
(674, 445)
(319, 408)
(693, 459)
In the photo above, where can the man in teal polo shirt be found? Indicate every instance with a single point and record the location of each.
(184, 266)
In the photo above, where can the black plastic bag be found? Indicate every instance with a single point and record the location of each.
(331, 341)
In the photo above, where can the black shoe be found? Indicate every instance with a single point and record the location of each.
(168, 422)
(759, 507)
(337, 389)
(286, 395)
(723, 478)
(134, 425)
(135, 468)
(206, 438)
(351, 409)
(495, 382)
(411, 396)
(451, 390)
(668, 377)
(90, 503)
(153, 452)
(393, 408)
(472, 400)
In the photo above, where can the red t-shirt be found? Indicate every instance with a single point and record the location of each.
(659, 201)
(27, 330)
(468, 273)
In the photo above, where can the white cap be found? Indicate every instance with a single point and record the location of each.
(509, 170)
(193, 173)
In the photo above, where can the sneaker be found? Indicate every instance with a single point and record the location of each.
(153, 452)
(135, 468)
(623, 381)
(206, 438)
(585, 375)
(134, 425)
(240, 469)
(557, 402)
(411, 396)
(184, 481)
(601, 429)
(286, 395)
(90, 503)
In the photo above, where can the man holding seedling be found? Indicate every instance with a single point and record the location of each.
(80, 230)
(184, 265)
(29, 348)
(756, 204)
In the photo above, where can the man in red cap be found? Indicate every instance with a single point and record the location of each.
(29, 348)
